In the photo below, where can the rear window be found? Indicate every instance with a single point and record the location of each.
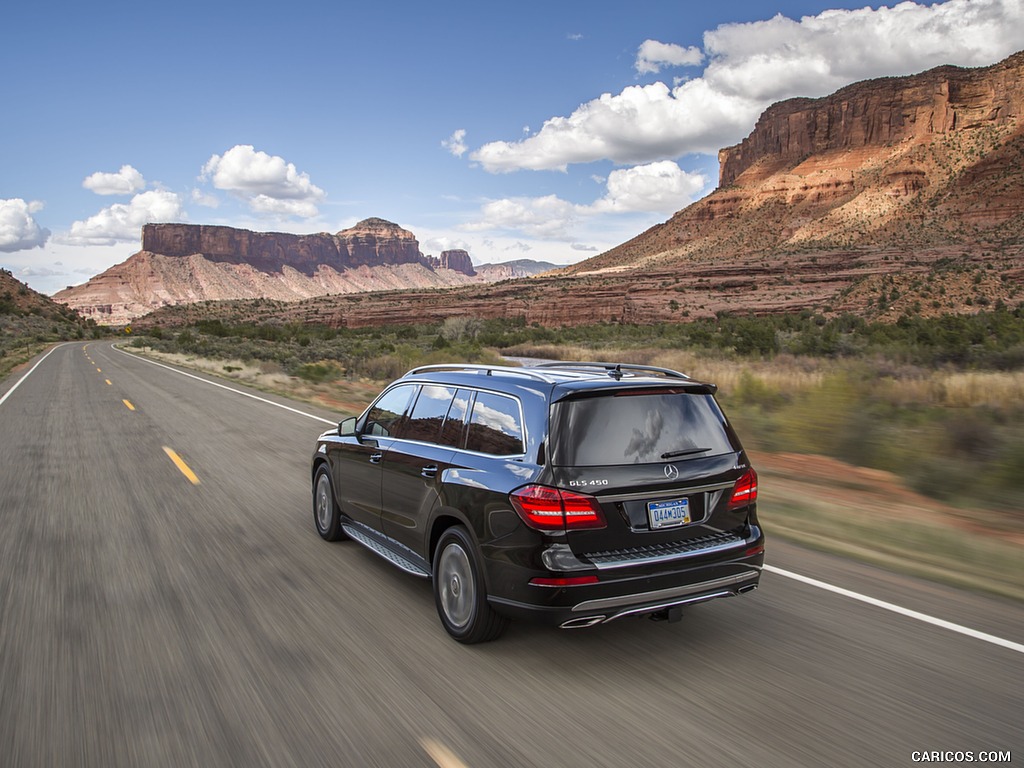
(495, 426)
(645, 428)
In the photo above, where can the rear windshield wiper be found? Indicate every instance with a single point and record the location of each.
(684, 452)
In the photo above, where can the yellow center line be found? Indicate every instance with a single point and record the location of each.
(130, 406)
(98, 371)
(441, 755)
(181, 465)
(108, 382)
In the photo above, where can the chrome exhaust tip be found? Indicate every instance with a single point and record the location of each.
(747, 588)
(587, 621)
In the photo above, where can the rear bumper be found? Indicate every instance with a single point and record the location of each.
(609, 608)
(649, 589)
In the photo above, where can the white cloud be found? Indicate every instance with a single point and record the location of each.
(546, 217)
(303, 209)
(443, 243)
(205, 199)
(779, 58)
(40, 272)
(661, 187)
(456, 143)
(641, 124)
(652, 56)
(752, 65)
(267, 183)
(59, 263)
(19, 230)
(127, 181)
(123, 222)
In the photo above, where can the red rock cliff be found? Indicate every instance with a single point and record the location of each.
(876, 112)
(372, 242)
(458, 260)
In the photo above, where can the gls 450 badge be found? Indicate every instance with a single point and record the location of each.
(578, 483)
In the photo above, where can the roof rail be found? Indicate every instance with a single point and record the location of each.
(486, 370)
(616, 370)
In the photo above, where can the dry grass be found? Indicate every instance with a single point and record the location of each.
(346, 396)
(870, 516)
(962, 390)
(793, 375)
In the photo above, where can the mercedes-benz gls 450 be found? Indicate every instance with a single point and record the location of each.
(569, 493)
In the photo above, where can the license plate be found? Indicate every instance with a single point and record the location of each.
(665, 514)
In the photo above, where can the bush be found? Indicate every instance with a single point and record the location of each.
(318, 373)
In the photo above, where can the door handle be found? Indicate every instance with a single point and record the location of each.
(429, 471)
(376, 457)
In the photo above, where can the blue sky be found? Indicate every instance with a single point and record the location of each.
(543, 130)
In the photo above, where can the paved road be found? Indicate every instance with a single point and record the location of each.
(148, 620)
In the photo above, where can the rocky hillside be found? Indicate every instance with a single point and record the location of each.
(29, 318)
(183, 263)
(903, 164)
(18, 299)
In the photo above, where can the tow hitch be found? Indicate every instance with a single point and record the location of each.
(671, 615)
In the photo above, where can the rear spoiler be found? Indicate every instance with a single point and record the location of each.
(688, 387)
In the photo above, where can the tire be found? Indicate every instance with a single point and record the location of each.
(326, 515)
(459, 591)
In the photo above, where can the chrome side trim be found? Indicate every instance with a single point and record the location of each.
(643, 602)
(387, 553)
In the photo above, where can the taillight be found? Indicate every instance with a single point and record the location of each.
(745, 490)
(552, 509)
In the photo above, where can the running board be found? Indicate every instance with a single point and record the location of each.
(377, 547)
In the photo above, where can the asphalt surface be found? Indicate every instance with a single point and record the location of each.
(150, 620)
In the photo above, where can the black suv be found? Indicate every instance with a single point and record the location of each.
(571, 493)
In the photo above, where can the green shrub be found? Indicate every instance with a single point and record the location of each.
(318, 373)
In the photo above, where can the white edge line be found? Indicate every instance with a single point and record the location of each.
(27, 374)
(1018, 647)
(222, 386)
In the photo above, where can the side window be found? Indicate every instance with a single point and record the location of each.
(385, 417)
(427, 415)
(495, 426)
(455, 424)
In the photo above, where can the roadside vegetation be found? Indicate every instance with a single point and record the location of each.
(933, 406)
(29, 322)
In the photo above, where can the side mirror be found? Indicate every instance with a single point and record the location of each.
(347, 427)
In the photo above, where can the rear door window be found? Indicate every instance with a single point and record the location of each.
(428, 414)
(495, 426)
(455, 423)
(637, 428)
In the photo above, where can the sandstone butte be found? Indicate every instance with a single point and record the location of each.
(183, 263)
(890, 196)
